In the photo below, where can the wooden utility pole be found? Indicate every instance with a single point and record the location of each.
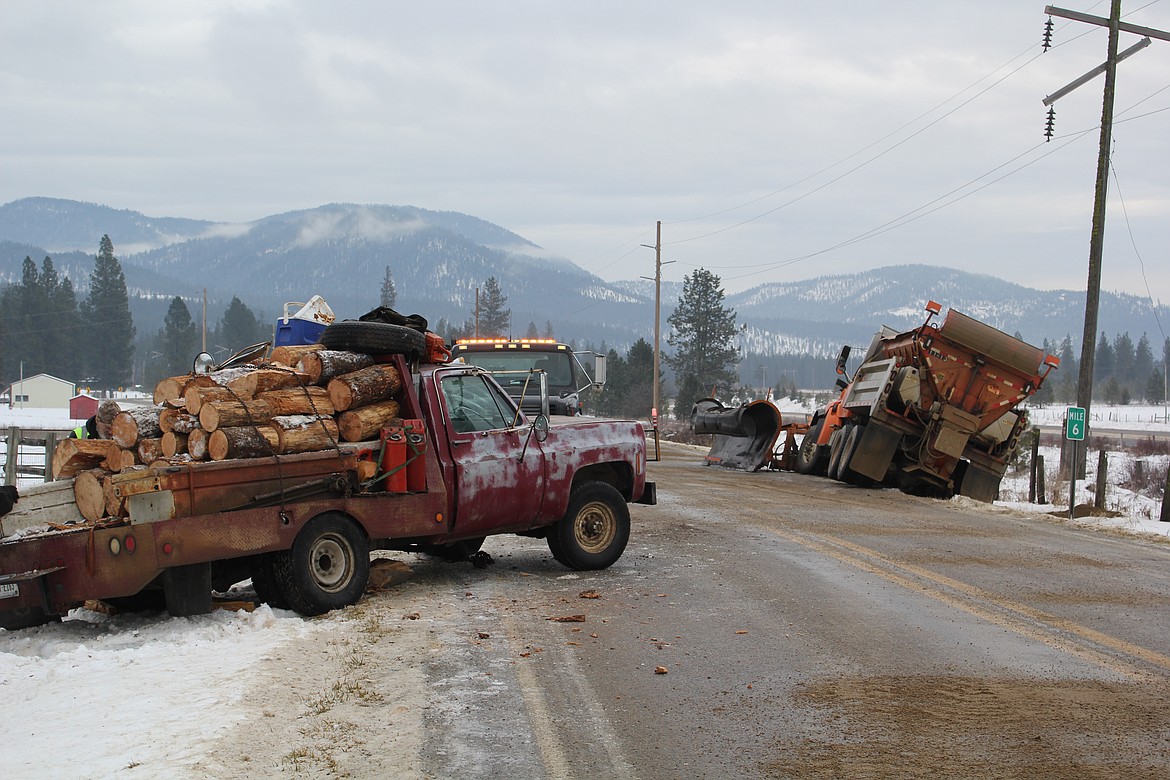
(1097, 238)
(657, 310)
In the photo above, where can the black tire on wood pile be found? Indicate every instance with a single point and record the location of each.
(374, 338)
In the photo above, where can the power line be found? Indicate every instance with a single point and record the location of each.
(1136, 251)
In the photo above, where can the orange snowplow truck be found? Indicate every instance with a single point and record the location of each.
(933, 410)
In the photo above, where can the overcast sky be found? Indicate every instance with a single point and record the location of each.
(775, 140)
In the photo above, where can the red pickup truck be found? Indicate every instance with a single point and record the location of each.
(302, 526)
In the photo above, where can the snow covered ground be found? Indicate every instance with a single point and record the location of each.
(147, 695)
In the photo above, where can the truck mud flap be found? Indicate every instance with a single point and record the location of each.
(979, 484)
(745, 436)
(872, 456)
(21, 590)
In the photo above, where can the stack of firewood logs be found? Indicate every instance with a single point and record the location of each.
(302, 399)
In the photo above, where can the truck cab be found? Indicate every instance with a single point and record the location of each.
(519, 366)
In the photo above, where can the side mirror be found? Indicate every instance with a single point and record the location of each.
(204, 364)
(540, 427)
(599, 370)
(842, 359)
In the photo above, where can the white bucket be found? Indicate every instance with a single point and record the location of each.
(316, 310)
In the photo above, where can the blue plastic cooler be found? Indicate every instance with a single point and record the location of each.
(305, 325)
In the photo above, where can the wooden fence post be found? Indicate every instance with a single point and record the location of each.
(12, 457)
(1032, 475)
(1040, 488)
(50, 449)
(1102, 474)
(1165, 518)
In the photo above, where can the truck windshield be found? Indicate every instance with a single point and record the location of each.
(555, 364)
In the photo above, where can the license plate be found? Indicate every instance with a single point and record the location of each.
(9, 590)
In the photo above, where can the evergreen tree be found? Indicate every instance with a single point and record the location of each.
(532, 332)
(109, 326)
(702, 333)
(178, 342)
(33, 305)
(1047, 392)
(239, 328)
(1067, 381)
(1113, 392)
(548, 330)
(1156, 388)
(1103, 361)
(1123, 359)
(67, 330)
(609, 399)
(389, 293)
(494, 319)
(638, 395)
(1143, 366)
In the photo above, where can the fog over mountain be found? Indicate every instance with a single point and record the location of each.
(438, 259)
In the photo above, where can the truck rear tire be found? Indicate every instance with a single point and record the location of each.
(374, 338)
(595, 529)
(836, 450)
(844, 473)
(455, 551)
(264, 581)
(328, 566)
(812, 458)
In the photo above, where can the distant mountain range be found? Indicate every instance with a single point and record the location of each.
(438, 259)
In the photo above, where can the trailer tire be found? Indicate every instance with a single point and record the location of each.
(812, 458)
(26, 617)
(374, 338)
(264, 582)
(836, 450)
(328, 566)
(848, 448)
(595, 529)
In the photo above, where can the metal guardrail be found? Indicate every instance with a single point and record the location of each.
(28, 452)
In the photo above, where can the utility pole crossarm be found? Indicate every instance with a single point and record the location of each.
(1102, 21)
(1094, 73)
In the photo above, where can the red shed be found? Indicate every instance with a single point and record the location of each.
(82, 406)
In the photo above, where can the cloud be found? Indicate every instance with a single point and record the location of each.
(762, 134)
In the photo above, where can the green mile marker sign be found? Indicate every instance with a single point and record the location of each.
(1074, 424)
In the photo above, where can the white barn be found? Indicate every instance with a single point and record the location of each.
(41, 391)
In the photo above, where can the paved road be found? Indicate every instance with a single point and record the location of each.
(807, 629)
(810, 629)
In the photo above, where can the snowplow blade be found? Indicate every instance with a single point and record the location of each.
(744, 437)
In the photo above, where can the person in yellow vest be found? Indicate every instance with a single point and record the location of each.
(87, 431)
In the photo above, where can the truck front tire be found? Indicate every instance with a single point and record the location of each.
(595, 529)
(327, 568)
(812, 458)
